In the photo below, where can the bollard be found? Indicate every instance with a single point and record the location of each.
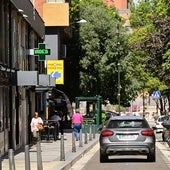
(85, 135)
(11, 160)
(39, 156)
(62, 152)
(0, 160)
(80, 141)
(90, 133)
(73, 143)
(94, 132)
(27, 158)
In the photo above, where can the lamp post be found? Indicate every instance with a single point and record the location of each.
(118, 65)
(119, 86)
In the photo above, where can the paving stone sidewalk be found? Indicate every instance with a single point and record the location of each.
(51, 154)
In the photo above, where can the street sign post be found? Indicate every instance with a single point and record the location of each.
(41, 51)
(156, 94)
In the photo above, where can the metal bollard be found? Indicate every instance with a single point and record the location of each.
(90, 133)
(39, 156)
(27, 158)
(73, 143)
(85, 135)
(62, 152)
(80, 141)
(11, 160)
(94, 132)
(0, 161)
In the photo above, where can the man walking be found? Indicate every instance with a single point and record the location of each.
(77, 121)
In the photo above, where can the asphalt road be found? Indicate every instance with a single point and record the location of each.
(127, 163)
(90, 161)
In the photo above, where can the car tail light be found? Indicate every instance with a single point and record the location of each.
(148, 132)
(105, 133)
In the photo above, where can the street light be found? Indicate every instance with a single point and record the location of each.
(68, 30)
(118, 65)
(119, 86)
(78, 22)
(81, 21)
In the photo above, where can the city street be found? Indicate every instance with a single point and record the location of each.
(134, 162)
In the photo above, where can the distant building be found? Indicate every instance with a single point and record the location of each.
(123, 7)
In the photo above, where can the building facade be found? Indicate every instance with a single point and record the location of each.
(21, 29)
(55, 14)
(123, 7)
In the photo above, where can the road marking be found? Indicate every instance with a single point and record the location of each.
(85, 158)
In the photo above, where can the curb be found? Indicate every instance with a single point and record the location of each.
(165, 150)
(79, 154)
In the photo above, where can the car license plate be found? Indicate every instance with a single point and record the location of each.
(127, 137)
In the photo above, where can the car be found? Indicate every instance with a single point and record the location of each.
(166, 130)
(127, 135)
(109, 114)
(158, 123)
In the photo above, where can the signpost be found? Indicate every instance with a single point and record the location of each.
(55, 68)
(156, 96)
(41, 51)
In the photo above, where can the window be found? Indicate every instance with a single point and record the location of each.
(128, 124)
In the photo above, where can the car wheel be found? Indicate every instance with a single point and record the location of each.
(103, 157)
(151, 157)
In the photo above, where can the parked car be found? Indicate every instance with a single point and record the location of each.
(109, 114)
(127, 135)
(159, 121)
(166, 130)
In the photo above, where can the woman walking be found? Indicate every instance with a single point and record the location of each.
(77, 121)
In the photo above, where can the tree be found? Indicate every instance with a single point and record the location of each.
(150, 39)
(101, 45)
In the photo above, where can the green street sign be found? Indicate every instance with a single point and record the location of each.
(41, 51)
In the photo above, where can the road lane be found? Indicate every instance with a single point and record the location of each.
(90, 161)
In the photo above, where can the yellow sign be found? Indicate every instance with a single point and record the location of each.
(55, 68)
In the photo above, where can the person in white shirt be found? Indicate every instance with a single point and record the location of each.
(34, 125)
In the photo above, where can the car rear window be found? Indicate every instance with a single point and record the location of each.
(128, 124)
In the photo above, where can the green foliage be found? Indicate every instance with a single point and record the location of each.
(142, 15)
(103, 44)
(150, 44)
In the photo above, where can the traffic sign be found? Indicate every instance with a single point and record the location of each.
(55, 68)
(41, 51)
(156, 94)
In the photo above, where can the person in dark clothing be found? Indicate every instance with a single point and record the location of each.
(61, 121)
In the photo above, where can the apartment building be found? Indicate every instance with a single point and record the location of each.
(55, 14)
(21, 29)
(123, 7)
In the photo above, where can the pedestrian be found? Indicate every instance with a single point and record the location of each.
(36, 120)
(56, 118)
(61, 114)
(77, 121)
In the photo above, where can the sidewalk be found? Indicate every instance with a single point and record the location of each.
(51, 154)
